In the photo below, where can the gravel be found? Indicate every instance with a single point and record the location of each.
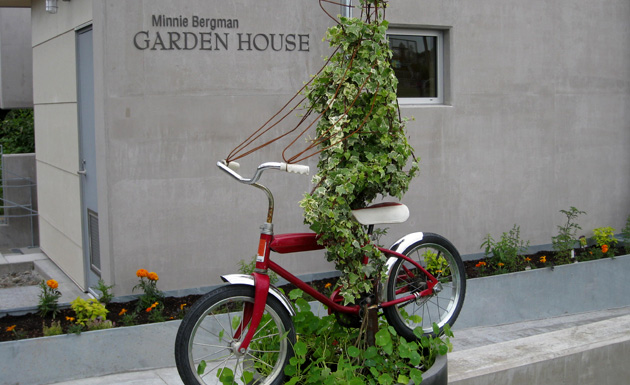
(22, 278)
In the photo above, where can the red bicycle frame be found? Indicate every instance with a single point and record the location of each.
(298, 242)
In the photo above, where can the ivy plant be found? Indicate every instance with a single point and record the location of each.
(361, 136)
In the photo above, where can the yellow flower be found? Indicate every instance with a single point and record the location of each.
(10, 328)
(181, 307)
(543, 259)
(155, 304)
(604, 249)
(142, 273)
(52, 284)
(123, 311)
(69, 318)
(153, 276)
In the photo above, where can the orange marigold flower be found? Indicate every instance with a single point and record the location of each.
(328, 285)
(149, 309)
(123, 311)
(155, 304)
(527, 259)
(501, 264)
(543, 259)
(153, 276)
(10, 328)
(69, 318)
(181, 307)
(604, 249)
(52, 284)
(142, 273)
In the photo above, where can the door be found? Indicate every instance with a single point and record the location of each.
(87, 157)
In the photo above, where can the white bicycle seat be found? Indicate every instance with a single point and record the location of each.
(381, 213)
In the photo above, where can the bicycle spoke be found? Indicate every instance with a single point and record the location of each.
(259, 360)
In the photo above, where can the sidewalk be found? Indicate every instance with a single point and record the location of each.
(25, 298)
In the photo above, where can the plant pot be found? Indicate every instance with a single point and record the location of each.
(437, 373)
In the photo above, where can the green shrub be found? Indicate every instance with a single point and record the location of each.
(53, 330)
(506, 250)
(17, 132)
(564, 242)
(605, 236)
(88, 310)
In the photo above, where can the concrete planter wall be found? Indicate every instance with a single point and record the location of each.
(534, 294)
(545, 293)
(65, 357)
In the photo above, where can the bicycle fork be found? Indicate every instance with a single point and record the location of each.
(253, 313)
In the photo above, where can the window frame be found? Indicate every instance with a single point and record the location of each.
(440, 65)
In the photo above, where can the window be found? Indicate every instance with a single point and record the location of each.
(418, 63)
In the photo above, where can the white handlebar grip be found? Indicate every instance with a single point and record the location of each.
(298, 169)
(234, 166)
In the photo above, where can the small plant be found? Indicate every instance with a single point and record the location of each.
(53, 330)
(156, 312)
(605, 236)
(437, 266)
(48, 298)
(506, 250)
(182, 311)
(99, 323)
(17, 334)
(543, 260)
(106, 294)
(148, 285)
(88, 310)
(75, 329)
(248, 268)
(128, 318)
(564, 242)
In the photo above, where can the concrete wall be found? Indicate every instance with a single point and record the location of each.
(536, 120)
(16, 59)
(56, 132)
(167, 116)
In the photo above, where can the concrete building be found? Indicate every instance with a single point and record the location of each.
(16, 59)
(520, 108)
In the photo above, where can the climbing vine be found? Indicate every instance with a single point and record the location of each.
(361, 136)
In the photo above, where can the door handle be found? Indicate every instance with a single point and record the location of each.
(82, 165)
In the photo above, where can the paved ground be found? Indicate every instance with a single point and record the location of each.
(27, 297)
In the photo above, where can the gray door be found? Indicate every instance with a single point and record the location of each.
(87, 156)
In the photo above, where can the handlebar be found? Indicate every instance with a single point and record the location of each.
(232, 167)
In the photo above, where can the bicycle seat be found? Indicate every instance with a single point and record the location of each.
(380, 213)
